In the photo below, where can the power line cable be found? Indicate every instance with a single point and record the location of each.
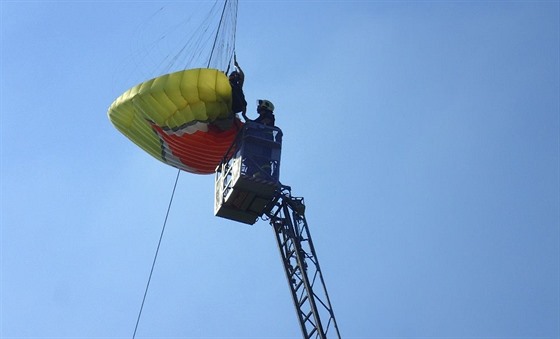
(156, 254)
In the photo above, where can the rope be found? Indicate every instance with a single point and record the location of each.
(155, 256)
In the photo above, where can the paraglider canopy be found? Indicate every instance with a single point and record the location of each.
(183, 119)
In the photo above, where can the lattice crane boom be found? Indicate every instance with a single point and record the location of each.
(303, 272)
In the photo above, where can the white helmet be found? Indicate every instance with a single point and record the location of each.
(265, 104)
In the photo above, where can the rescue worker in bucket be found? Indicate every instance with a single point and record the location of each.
(260, 163)
(265, 109)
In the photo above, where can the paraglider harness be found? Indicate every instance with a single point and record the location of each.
(236, 80)
(238, 102)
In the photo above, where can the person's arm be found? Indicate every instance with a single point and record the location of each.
(239, 70)
(244, 114)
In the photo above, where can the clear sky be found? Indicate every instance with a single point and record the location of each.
(423, 135)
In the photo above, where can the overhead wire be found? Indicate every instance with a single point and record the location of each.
(156, 254)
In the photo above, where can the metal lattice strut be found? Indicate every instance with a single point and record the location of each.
(309, 293)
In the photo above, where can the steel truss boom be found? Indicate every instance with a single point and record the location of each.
(309, 293)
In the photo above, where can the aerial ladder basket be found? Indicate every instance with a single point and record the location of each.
(247, 187)
(247, 178)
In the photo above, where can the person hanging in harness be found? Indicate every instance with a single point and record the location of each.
(236, 80)
(238, 102)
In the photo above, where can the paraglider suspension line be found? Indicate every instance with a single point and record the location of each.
(156, 254)
(218, 33)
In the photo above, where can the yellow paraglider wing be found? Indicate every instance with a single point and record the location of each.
(175, 118)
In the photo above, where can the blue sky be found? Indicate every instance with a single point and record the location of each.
(423, 135)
